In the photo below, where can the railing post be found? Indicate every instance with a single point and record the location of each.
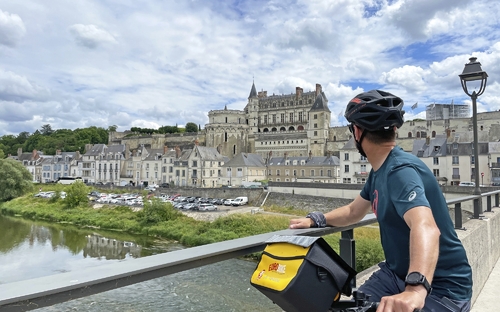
(488, 203)
(458, 216)
(477, 208)
(348, 250)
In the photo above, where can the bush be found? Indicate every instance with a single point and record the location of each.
(76, 195)
(156, 212)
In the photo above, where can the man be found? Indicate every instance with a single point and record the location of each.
(426, 265)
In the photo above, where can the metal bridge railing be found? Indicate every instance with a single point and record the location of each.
(49, 290)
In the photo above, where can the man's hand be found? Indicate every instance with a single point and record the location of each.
(302, 223)
(412, 299)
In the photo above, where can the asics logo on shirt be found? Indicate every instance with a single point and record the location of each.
(412, 195)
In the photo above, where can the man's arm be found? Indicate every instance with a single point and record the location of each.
(342, 216)
(424, 252)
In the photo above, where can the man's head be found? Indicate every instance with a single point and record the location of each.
(376, 113)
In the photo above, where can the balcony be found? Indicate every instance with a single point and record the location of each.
(455, 176)
(495, 165)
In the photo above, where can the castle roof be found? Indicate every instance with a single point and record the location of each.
(253, 92)
(321, 103)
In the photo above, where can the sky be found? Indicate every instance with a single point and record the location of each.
(152, 63)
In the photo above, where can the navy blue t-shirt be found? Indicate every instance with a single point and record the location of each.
(404, 182)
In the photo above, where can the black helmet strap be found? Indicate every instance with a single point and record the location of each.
(358, 143)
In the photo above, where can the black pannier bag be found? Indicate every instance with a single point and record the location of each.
(302, 274)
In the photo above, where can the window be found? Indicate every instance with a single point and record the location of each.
(436, 172)
(315, 125)
(278, 172)
(195, 163)
(472, 162)
(454, 160)
(346, 168)
(315, 116)
(436, 160)
(346, 156)
(312, 173)
(363, 168)
(315, 133)
(291, 117)
(346, 180)
(302, 172)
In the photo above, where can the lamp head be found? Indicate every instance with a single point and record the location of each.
(473, 72)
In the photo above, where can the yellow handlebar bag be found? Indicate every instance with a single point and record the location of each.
(302, 274)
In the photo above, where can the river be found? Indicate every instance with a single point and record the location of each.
(30, 249)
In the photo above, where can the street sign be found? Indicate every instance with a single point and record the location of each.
(482, 174)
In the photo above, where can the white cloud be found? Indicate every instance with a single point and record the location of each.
(11, 29)
(409, 77)
(170, 62)
(90, 36)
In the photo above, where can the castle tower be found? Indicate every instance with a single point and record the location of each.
(252, 110)
(319, 123)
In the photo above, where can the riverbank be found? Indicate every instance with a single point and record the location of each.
(161, 220)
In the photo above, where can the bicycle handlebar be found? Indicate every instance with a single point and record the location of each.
(359, 303)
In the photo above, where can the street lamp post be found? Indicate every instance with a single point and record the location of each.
(473, 72)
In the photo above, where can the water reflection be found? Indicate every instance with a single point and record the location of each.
(30, 249)
(110, 248)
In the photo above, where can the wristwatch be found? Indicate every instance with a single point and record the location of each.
(416, 278)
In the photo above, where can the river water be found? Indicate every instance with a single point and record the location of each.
(31, 249)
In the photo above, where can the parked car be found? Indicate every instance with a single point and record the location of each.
(207, 207)
(164, 185)
(228, 202)
(240, 201)
(467, 184)
(495, 184)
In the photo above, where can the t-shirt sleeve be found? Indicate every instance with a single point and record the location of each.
(406, 189)
(365, 191)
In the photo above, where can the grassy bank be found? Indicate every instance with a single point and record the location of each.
(161, 220)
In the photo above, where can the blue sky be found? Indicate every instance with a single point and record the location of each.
(82, 63)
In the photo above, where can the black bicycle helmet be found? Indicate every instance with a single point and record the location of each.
(375, 110)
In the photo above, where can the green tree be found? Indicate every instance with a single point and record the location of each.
(191, 127)
(112, 128)
(46, 129)
(15, 179)
(2, 154)
(76, 194)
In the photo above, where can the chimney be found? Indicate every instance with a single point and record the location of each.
(58, 152)
(34, 154)
(286, 155)
(177, 152)
(318, 89)
(88, 147)
(165, 149)
(298, 92)
(77, 155)
(19, 151)
(428, 140)
(310, 155)
(127, 151)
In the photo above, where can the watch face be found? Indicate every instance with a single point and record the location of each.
(414, 278)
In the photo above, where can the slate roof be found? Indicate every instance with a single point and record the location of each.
(253, 92)
(309, 161)
(246, 160)
(321, 103)
(209, 153)
(96, 150)
(435, 148)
